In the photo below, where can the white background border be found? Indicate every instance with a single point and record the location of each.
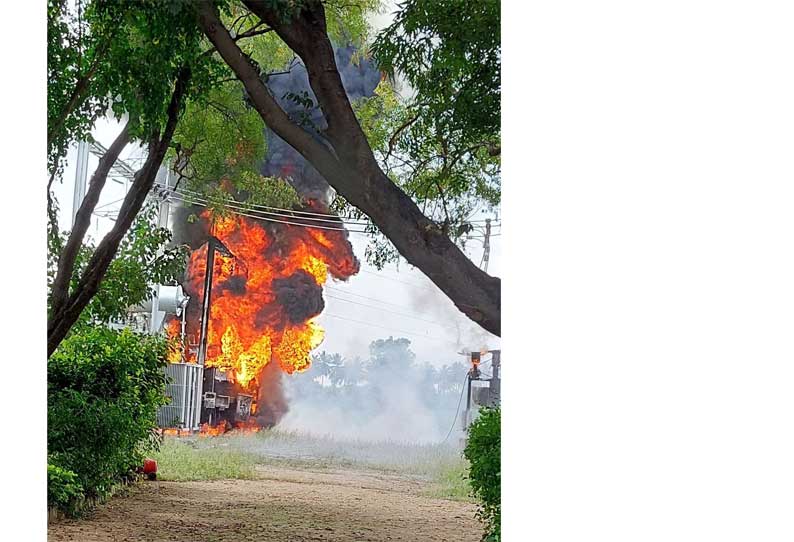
(649, 286)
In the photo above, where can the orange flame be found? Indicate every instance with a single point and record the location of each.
(246, 427)
(210, 431)
(174, 328)
(248, 327)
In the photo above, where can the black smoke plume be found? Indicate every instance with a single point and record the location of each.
(293, 93)
(271, 403)
(300, 296)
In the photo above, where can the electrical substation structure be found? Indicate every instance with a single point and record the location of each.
(482, 389)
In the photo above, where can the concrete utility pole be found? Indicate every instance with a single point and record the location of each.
(80, 177)
(164, 208)
(486, 246)
(205, 305)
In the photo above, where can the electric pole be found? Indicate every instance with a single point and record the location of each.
(486, 245)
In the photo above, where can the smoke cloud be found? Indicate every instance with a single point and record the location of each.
(300, 296)
(293, 93)
(271, 401)
(388, 397)
(464, 333)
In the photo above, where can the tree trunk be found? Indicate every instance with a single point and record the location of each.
(61, 322)
(60, 286)
(351, 167)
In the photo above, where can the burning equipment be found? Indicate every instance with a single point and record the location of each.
(261, 286)
(223, 402)
(260, 278)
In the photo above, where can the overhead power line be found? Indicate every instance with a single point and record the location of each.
(392, 312)
(415, 284)
(251, 208)
(192, 193)
(279, 211)
(389, 328)
(204, 203)
(366, 297)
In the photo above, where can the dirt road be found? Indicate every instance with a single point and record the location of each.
(282, 504)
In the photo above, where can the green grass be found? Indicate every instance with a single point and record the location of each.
(451, 482)
(298, 449)
(189, 459)
(235, 456)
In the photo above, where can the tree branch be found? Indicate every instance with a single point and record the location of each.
(247, 34)
(59, 323)
(251, 33)
(398, 131)
(272, 114)
(60, 286)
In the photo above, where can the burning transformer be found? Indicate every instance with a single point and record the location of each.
(259, 287)
(223, 403)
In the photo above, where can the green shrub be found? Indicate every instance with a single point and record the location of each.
(64, 492)
(103, 390)
(483, 450)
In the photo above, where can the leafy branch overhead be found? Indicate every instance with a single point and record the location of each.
(344, 157)
(451, 178)
(192, 81)
(449, 51)
(441, 142)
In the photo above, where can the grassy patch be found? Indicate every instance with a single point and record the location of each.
(235, 455)
(298, 449)
(199, 459)
(451, 483)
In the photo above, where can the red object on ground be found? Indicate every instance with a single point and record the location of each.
(149, 466)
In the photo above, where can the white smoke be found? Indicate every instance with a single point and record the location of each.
(392, 399)
(403, 419)
(467, 336)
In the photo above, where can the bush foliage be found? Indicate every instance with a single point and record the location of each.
(104, 388)
(483, 450)
(64, 492)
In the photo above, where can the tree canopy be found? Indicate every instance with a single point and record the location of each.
(450, 53)
(191, 78)
(441, 142)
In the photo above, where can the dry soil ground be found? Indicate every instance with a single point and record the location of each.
(282, 504)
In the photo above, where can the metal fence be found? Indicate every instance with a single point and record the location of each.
(184, 391)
